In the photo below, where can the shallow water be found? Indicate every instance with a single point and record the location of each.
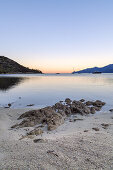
(46, 89)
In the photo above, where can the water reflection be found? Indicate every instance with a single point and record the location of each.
(7, 83)
(44, 90)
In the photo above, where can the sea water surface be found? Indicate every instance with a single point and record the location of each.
(46, 89)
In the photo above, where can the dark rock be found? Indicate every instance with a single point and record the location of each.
(96, 129)
(85, 130)
(97, 108)
(59, 106)
(62, 113)
(89, 103)
(38, 140)
(53, 117)
(82, 100)
(105, 125)
(30, 105)
(77, 119)
(9, 104)
(68, 101)
(55, 121)
(92, 110)
(79, 107)
(98, 103)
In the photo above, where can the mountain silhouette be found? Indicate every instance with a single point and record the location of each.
(9, 66)
(105, 69)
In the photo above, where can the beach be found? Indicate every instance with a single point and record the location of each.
(81, 144)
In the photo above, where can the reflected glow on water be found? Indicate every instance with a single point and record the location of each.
(44, 90)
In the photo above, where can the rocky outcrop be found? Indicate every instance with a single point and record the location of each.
(52, 117)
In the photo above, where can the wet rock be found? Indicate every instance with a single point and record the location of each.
(59, 106)
(98, 103)
(89, 103)
(82, 100)
(79, 107)
(53, 117)
(97, 108)
(67, 111)
(68, 101)
(92, 110)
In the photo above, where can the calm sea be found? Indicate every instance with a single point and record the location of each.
(46, 89)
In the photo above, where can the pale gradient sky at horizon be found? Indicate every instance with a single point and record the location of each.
(57, 35)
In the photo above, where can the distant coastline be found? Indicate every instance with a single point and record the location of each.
(105, 69)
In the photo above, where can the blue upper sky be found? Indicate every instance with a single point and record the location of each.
(57, 35)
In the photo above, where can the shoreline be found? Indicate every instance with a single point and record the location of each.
(73, 145)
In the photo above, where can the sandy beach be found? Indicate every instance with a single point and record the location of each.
(73, 146)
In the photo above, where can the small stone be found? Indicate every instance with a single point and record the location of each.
(105, 125)
(52, 152)
(30, 105)
(77, 119)
(9, 104)
(38, 140)
(92, 110)
(96, 129)
(85, 130)
(82, 100)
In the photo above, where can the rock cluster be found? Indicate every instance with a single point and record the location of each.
(53, 116)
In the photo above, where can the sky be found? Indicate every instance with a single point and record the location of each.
(57, 35)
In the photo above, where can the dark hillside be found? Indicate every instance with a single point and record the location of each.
(9, 66)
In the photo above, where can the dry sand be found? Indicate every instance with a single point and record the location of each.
(67, 148)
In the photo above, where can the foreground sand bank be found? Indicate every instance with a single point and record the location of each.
(74, 145)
